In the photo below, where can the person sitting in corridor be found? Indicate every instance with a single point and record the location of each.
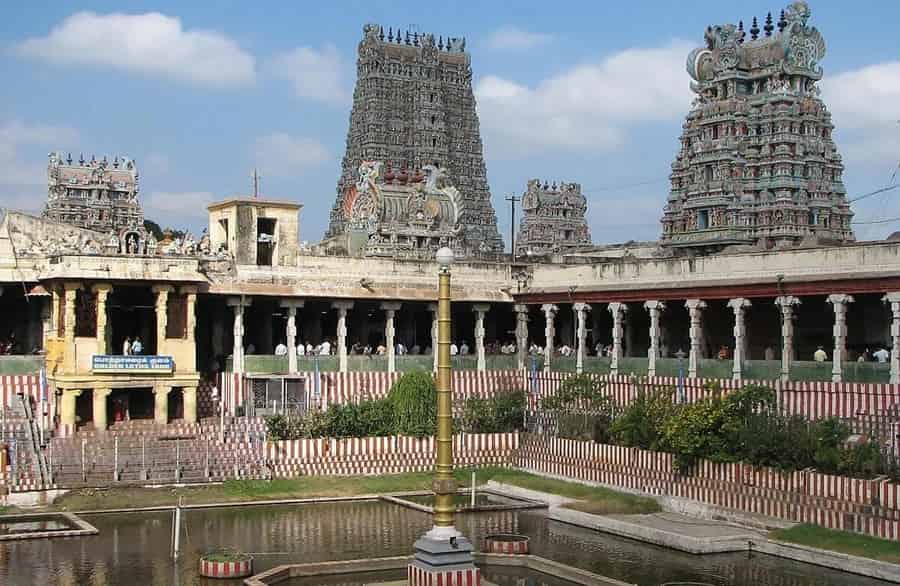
(820, 355)
(136, 346)
(281, 349)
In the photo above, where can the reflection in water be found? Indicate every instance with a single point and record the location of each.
(135, 549)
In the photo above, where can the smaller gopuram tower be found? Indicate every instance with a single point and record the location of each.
(553, 219)
(97, 195)
(757, 164)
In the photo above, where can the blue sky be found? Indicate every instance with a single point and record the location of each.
(199, 93)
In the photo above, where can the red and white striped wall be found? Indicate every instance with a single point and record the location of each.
(28, 385)
(869, 506)
(385, 455)
(420, 576)
(210, 569)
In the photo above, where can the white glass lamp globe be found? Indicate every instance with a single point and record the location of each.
(444, 257)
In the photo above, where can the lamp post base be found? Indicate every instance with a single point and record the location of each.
(443, 558)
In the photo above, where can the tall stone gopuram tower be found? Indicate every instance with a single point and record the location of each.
(413, 107)
(757, 164)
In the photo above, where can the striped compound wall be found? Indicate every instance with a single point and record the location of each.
(29, 385)
(864, 506)
(385, 455)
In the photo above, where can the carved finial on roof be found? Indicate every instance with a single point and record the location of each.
(81, 159)
(116, 162)
(782, 22)
(93, 159)
(441, 42)
(416, 39)
(390, 35)
(380, 33)
(768, 27)
(69, 158)
(407, 37)
(740, 37)
(754, 30)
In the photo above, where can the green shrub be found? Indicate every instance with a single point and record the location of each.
(504, 412)
(414, 400)
(693, 431)
(639, 423)
(278, 427)
(365, 419)
(582, 409)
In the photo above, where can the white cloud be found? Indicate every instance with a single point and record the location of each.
(589, 106)
(315, 75)
(150, 43)
(23, 179)
(515, 39)
(865, 107)
(282, 155)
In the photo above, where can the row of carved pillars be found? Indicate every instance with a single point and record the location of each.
(342, 308)
(695, 307)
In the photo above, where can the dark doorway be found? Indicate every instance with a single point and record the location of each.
(176, 404)
(84, 408)
(140, 403)
(132, 314)
(265, 241)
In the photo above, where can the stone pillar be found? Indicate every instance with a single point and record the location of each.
(549, 332)
(46, 322)
(739, 304)
(161, 404)
(521, 335)
(67, 409)
(190, 296)
(100, 420)
(655, 308)
(894, 299)
(695, 310)
(581, 310)
(237, 354)
(480, 309)
(342, 307)
(433, 308)
(627, 335)
(291, 338)
(839, 301)
(786, 303)
(70, 293)
(162, 316)
(102, 290)
(290, 331)
(390, 310)
(618, 311)
(189, 397)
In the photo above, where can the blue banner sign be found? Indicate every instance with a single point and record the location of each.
(114, 363)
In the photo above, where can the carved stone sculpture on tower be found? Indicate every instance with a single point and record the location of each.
(553, 219)
(414, 122)
(757, 164)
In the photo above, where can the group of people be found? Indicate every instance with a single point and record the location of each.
(881, 355)
(132, 347)
(324, 348)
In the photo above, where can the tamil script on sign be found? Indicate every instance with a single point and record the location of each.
(111, 362)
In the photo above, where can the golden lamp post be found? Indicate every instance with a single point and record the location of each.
(443, 552)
